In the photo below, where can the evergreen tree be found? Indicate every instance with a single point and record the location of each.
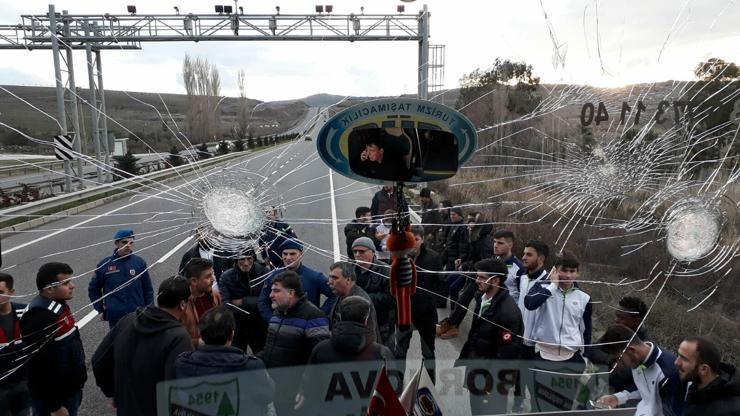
(239, 145)
(174, 159)
(203, 152)
(127, 165)
(222, 148)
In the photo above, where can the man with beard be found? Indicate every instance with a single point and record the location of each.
(714, 387)
(200, 275)
(313, 282)
(241, 286)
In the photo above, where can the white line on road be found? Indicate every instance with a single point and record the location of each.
(334, 231)
(86, 320)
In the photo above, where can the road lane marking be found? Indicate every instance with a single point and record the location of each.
(334, 226)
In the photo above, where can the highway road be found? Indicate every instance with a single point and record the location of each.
(318, 204)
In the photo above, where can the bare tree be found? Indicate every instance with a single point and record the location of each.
(203, 87)
(243, 110)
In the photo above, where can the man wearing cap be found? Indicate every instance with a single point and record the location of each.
(372, 276)
(241, 286)
(314, 283)
(109, 290)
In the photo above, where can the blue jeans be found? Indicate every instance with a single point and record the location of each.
(72, 404)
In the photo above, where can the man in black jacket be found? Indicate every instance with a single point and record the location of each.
(296, 327)
(715, 386)
(201, 249)
(56, 372)
(430, 217)
(343, 282)
(361, 226)
(217, 356)
(423, 304)
(241, 286)
(141, 350)
(456, 252)
(372, 276)
(496, 331)
(383, 200)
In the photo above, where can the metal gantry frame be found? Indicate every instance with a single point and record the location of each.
(63, 32)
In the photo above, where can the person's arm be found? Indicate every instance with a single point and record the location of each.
(103, 363)
(95, 288)
(464, 246)
(374, 208)
(225, 287)
(631, 393)
(38, 329)
(178, 346)
(265, 304)
(538, 295)
(317, 330)
(587, 329)
(383, 300)
(146, 285)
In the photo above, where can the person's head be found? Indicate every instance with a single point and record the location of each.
(363, 249)
(6, 288)
(388, 188)
(620, 342)
(286, 290)
(200, 274)
(472, 219)
(54, 281)
(567, 267)
(418, 232)
(201, 235)
(698, 360)
(291, 252)
(363, 214)
(354, 309)
(124, 241)
(245, 260)
(535, 255)
(490, 274)
(173, 294)
(272, 213)
(216, 326)
(375, 151)
(503, 244)
(341, 278)
(456, 214)
(426, 196)
(631, 312)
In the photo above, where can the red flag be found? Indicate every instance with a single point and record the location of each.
(384, 401)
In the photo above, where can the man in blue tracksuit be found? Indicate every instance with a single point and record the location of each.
(314, 283)
(121, 282)
(657, 383)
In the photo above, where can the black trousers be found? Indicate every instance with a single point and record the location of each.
(428, 335)
(467, 294)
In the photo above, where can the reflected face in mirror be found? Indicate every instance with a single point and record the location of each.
(402, 154)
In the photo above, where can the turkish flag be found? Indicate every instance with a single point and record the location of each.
(384, 401)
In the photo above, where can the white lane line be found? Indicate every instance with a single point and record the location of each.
(174, 250)
(334, 226)
(86, 320)
(93, 313)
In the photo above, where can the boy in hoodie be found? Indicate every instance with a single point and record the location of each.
(217, 356)
(714, 387)
(143, 347)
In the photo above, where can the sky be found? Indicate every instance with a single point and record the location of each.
(602, 43)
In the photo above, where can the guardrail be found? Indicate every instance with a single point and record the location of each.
(32, 214)
(26, 168)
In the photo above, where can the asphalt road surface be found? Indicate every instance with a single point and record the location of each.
(163, 223)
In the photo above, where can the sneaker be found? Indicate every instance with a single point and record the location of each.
(453, 332)
(443, 327)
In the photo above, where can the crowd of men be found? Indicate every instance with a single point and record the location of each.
(263, 310)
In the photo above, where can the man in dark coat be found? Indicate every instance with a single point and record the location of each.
(343, 282)
(201, 249)
(296, 327)
(56, 370)
(715, 386)
(372, 276)
(274, 234)
(143, 348)
(456, 252)
(217, 356)
(430, 217)
(383, 200)
(14, 396)
(241, 286)
(423, 304)
(496, 331)
(361, 226)
(110, 292)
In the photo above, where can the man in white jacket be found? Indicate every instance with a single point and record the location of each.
(657, 383)
(562, 327)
